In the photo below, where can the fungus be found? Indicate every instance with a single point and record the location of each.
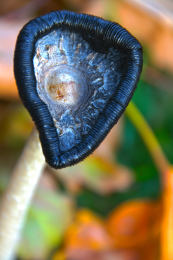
(76, 74)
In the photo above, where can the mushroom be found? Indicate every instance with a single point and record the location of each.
(75, 74)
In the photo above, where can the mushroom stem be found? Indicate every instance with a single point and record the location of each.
(18, 195)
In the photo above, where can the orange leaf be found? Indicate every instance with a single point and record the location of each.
(134, 223)
(167, 223)
(87, 232)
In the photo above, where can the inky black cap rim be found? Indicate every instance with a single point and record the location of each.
(75, 74)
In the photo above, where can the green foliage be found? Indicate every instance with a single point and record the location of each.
(49, 216)
(155, 104)
(103, 205)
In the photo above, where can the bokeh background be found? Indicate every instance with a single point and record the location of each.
(118, 203)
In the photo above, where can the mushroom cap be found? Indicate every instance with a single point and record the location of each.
(75, 74)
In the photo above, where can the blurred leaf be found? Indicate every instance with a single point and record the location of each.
(102, 255)
(87, 232)
(103, 205)
(135, 223)
(59, 255)
(167, 219)
(49, 216)
(97, 173)
(11, 5)
(156, 109)
(15, 126)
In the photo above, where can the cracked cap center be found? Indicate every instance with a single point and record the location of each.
(63, 88)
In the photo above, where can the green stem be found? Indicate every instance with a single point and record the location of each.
(149, 138)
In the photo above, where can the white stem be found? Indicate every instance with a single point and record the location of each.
(17, 198)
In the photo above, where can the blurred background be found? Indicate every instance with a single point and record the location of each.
(112, 205)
